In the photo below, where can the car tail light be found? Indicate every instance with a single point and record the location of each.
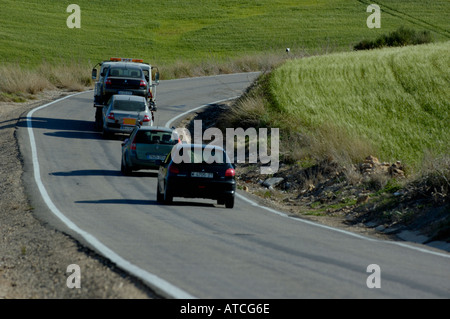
(108, 82)
(111, 116)
(146, 118)
(142, 84)
(174, 169)
(126, 60)
(230, 172)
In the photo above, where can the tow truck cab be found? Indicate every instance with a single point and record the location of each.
(123, 76)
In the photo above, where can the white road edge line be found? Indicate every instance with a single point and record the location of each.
(401, 244)
(157, 283)
(168, 124)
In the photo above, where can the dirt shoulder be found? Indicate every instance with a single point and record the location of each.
(33, 256)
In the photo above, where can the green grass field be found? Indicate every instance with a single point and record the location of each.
(164, 32)
(392, 103)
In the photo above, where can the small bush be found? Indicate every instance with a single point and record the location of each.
(434, 180)
(401, 37)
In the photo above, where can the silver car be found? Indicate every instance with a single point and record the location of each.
(124, 112)
(147, 147)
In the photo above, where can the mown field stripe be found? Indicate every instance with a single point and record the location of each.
(408, 17)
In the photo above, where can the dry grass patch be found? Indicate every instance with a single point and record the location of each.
(15, 79)
(17, 84)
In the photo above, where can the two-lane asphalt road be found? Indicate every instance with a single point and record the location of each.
(195, 248)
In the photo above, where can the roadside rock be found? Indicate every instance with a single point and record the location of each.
(372, 165)
(272, 182)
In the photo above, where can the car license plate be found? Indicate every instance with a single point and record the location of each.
(156, 157)
(202, 174)
(128, 121)
(125, 92)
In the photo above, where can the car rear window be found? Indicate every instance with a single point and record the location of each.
(155, 137)
(124, 72)
(126, 105)
(188, 155)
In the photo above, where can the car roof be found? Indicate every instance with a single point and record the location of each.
(125, 97)
(205, 146)
(125, 65)
(129, 65)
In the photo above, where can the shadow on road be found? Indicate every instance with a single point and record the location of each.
(103, 172)
(89, 172)
(180, 202)
(123, 201)
(64, 128)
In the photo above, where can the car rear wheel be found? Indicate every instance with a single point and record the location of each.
(168, 198)
(124, 168)
(106, 135)
(159, 195)
(229, 202)
(98, 119)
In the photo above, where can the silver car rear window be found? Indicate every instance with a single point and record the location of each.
(132, 106)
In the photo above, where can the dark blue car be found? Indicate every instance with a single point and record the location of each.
(197, 171)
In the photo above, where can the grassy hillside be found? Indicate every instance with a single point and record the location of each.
(391, 103)
(167, 31)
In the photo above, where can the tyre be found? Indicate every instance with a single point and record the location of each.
(229, 202)
(159, 196)
(106, 135)
(98, 120)
(168, 197)
(125, 169)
